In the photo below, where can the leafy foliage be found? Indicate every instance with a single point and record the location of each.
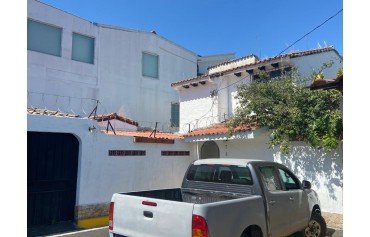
(292, 111)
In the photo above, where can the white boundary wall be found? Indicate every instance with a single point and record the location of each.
(100, 175)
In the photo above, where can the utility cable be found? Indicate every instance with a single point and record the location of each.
(311, 31)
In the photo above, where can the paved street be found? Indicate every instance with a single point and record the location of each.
(103, 232)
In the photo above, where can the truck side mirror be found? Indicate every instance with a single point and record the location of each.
(306, 184)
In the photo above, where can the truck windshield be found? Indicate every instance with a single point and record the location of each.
(231, 174)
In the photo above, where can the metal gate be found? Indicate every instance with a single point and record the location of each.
(52, 160)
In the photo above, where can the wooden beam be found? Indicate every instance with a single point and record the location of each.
(262, 68)
(275, 65)
(238, 74)
(250, 71)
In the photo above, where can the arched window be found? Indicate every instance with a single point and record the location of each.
(209, 150)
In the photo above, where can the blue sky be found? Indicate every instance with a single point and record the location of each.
(220, 26)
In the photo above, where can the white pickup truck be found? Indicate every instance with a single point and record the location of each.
(222, 198)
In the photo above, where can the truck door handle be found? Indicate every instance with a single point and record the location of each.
(291, 198)
(148, 214)
(272, 202)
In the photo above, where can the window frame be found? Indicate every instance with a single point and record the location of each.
(142, 64)
(51, 25)
(276, 174)
(89, 36)
(292, 176)
(171, 120)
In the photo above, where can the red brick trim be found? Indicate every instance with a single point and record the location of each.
(127, 153)
(175, 153)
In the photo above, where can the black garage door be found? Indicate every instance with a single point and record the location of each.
(52, 160)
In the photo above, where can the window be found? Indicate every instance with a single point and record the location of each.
(289, 180)
(44, 38)
(175, 114)
(270, 179)
(150, 65)
(82, 48)
(220, 174)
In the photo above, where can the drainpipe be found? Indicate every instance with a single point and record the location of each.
(197, 147)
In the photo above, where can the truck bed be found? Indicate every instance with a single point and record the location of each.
(187, 195)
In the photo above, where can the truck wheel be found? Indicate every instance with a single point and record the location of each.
(316, 227)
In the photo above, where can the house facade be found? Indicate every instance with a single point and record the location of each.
(95, 93)
(208, 100)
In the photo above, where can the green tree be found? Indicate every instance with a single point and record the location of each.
(292, 112)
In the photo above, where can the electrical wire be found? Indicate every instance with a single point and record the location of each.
(311, 31)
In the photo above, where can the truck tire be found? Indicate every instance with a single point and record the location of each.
(316, 227)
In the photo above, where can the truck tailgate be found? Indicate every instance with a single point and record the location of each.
(167, 218)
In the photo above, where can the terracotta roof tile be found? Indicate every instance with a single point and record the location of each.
(219, 128)
(287, 55)
(336, 83)
(234, 60)
(105, 117)
(161, 135)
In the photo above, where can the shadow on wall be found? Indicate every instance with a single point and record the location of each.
(323, 169)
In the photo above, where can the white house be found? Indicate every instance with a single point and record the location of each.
(206, 101)
(121, 77)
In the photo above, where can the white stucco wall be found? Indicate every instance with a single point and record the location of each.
(123, 87)
(61, 75)
(306, 65)
(100, 175)
(115, 78)
(323, 169)
(197, 107)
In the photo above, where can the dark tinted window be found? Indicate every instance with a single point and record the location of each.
(220, 174)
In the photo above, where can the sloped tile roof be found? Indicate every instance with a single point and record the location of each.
(105, 117)
(219, 128)
(146, 134)
(259, 62)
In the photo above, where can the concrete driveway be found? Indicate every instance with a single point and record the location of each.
(103, 232)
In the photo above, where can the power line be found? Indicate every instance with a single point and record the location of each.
(311, 31)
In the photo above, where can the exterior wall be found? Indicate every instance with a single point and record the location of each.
(307, 64)
(227, 96)
(61, 75)
(197, 107)
(100, 175)
(123, 87)
(207, 61)
(323, 169)
(115, 78)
